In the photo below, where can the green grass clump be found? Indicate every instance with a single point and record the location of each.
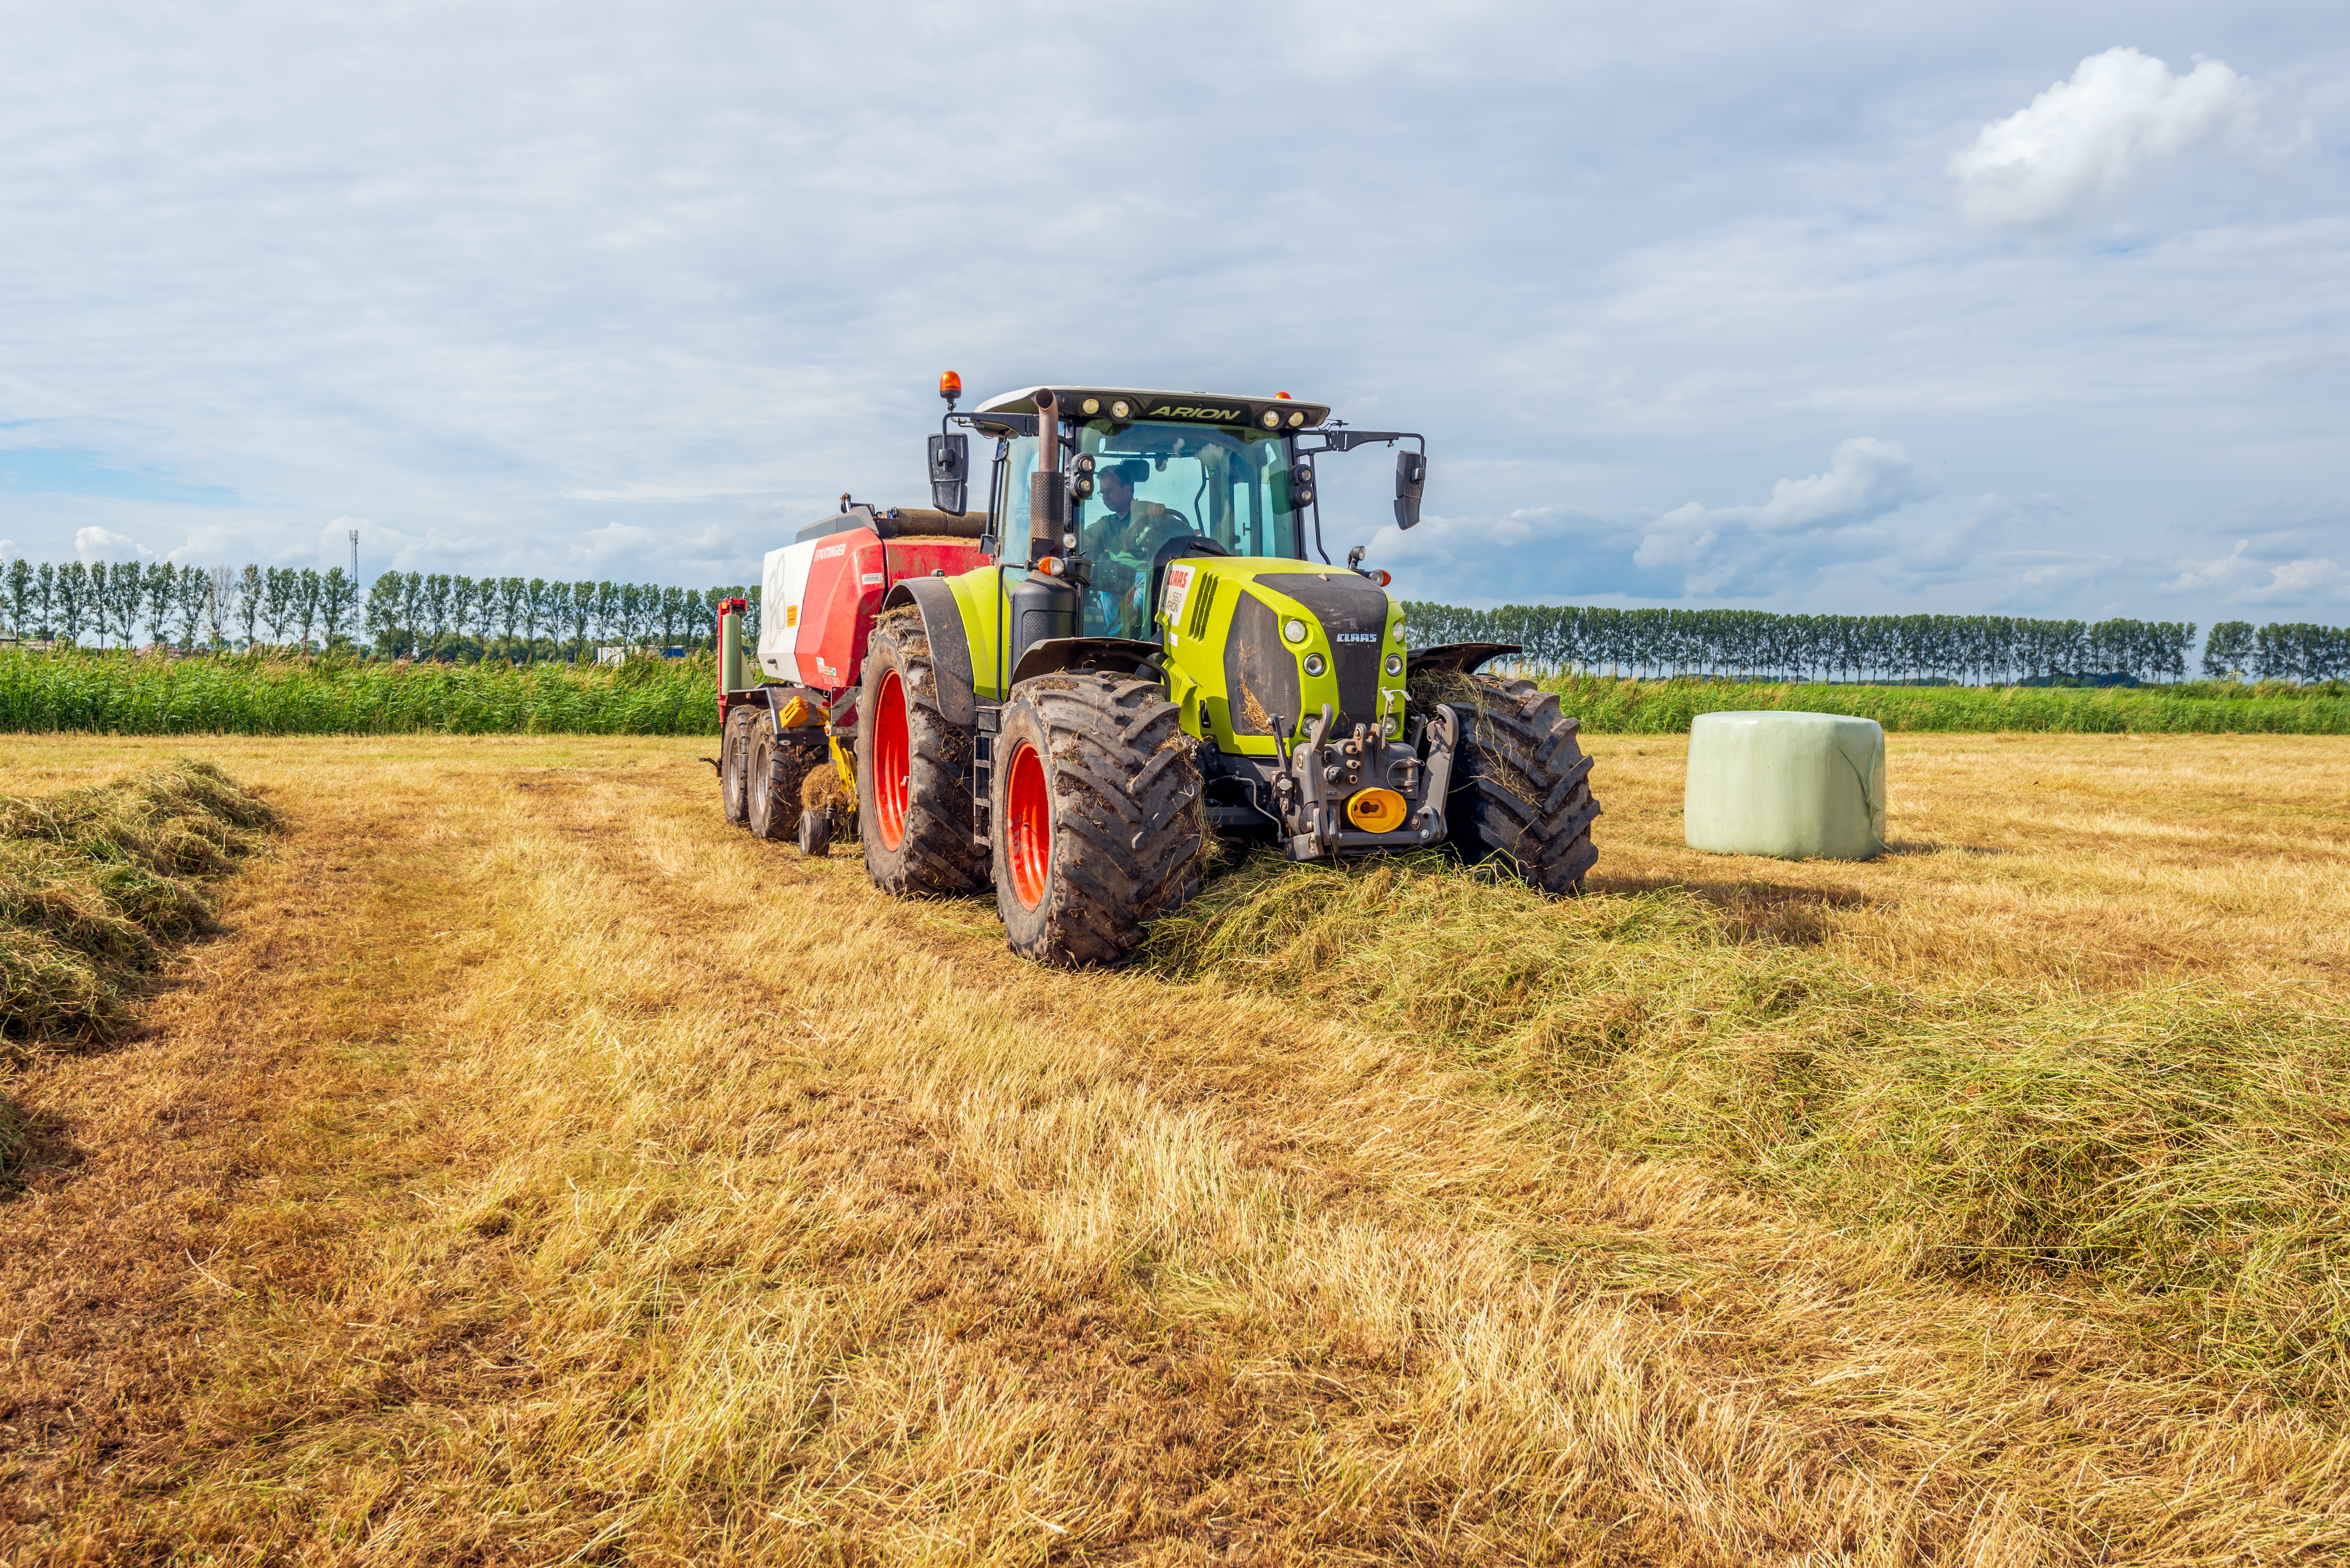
(1628, 706)
(122, 694)
(2188, 1150)
(92, 881)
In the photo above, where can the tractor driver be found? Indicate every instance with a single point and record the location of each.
(1126, 534)
(1129, 527)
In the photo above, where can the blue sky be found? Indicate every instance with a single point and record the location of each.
(2040, 309)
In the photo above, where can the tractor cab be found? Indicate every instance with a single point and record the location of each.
(1144, 490)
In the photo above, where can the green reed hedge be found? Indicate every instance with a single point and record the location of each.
(123, 694)
(1610, 706)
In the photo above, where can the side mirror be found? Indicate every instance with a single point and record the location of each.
(1411, 473)
(950, 472)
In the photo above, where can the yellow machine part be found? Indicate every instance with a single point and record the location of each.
(798, 713)
(1375, 810)
(843, 760)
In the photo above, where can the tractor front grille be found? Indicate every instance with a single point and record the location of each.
(1260, 670)
(1348, 606)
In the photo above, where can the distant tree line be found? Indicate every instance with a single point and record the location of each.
(435, 614)
(1972, 650)
(442, 615)
(2280, 650)
(407, 615)
(131, 602)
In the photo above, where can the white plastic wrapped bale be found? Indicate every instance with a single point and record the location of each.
(1796, 786)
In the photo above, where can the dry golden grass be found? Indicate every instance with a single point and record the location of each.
(541, 1170)
(2076, 860)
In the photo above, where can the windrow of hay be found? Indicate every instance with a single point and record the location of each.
(2183, 1151)
(119, 693)
(93, 880)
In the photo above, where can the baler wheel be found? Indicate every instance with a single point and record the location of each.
(913, 790)
(772, 779)
(734, 760)
(1098, 814)
(1520, 785)
(815, 831)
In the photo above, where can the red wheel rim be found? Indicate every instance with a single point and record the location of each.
(891, 763)
(1028, 828)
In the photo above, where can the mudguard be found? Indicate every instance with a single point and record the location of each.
(949, 644)
(1461, 657)
(1118, 655)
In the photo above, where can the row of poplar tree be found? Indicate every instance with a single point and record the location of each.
(1974, 649)
(435, 614)
(2280, 650)
(405, 614)
(445, 615)
(135, 602)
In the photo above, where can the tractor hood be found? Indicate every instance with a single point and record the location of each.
(1281, 639)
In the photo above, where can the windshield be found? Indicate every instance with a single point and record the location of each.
(1154, 483)
(1161, 481)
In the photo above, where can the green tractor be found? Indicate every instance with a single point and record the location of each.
(1072, 694)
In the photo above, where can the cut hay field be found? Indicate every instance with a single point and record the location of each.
(535, 1169)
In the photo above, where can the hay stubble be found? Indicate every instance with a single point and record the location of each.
(580, 1177)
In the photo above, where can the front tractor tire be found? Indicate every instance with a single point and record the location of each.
(1520, 785)
(913, 794)
(1099, 827)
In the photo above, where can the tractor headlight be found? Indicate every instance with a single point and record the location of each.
(1091, 405)
(1271, 420)
(1398, 631)
(1120, 409)
(1395, 664)
(1294, 630)
(1314, 664)
(1391, 726)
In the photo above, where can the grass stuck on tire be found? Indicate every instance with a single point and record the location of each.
(94, 881)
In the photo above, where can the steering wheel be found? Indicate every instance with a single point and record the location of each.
(1185, 545)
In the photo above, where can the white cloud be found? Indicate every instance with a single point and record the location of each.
(1744, 550)
(654, 493)
(2086, 141)
(103, 545)
(616, 541)
(2252, 575)
(1978, 540)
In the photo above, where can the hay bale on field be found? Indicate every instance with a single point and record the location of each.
(93, 880)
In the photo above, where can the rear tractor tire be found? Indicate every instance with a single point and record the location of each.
(913, 771)
(1099, 826)
(778, 762)
(1520, 785)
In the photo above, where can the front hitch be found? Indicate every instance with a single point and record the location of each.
(1319, 775)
